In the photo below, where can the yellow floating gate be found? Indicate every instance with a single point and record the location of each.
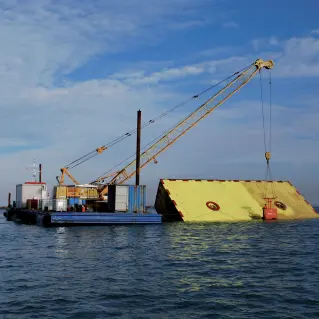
(227, 200)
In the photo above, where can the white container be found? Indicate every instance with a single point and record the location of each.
(121, 198)
(60, 205)
(118, 198)
(30, 190)
(46, 203)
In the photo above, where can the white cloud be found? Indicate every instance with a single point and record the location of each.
(225, 67)
(299, 58)
(45, 38)
(294, 57)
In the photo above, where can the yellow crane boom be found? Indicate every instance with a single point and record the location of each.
(189, 122)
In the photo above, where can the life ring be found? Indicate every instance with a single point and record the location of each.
(213, 206)
(280, 205)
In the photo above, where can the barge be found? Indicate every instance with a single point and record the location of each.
(78, 205)
(48, 219)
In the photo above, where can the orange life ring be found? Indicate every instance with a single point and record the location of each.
(213, 206)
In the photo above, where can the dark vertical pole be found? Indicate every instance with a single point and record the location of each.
(9, 200)
(138, 147)
(40, 173)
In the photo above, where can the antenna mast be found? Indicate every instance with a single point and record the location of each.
(35, 171)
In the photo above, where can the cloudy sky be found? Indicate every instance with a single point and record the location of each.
(74, 73)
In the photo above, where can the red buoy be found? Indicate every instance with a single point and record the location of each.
(269, 212)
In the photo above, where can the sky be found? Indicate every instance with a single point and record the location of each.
(74, 74)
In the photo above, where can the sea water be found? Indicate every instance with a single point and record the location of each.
(174, 270)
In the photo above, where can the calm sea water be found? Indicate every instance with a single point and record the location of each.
(235, 270)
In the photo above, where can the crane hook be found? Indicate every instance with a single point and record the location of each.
(267, 156)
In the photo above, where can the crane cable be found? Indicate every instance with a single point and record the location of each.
(268, 177)
(94, 153)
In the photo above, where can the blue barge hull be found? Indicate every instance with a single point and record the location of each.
(81, 218)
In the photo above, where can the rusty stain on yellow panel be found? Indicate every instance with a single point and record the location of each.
(237, 200)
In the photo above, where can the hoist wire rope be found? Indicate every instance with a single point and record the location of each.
(94, 153)
(268, 176)
(270, 107)
(262, 110)
(270, 125)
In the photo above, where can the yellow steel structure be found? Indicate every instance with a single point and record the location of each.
(189, 122)
(237, 200)
(64, 171)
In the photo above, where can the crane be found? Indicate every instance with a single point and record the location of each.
(170, 137)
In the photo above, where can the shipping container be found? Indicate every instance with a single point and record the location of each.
(86, 192)
(137, 199)
(80, 191)
(127, 198)
(83, 192)
(76, 201)
(30, 190)
(46, 204)
(93, 193)
(60, 205)
(72, 191)
(118, 198)
(59, 191)
(73, 201)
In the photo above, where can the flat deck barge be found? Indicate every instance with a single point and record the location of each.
(48, 219)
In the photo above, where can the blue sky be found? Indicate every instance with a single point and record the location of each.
(75, 73)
